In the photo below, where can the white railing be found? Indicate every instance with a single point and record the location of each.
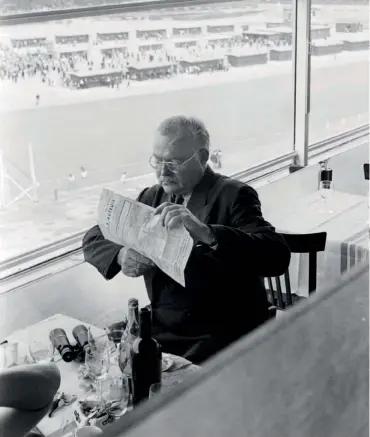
(15, 184)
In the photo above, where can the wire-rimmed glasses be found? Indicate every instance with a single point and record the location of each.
(173, 167)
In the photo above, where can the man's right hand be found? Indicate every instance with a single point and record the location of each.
(132, 263)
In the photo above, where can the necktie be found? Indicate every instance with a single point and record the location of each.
(179, 200)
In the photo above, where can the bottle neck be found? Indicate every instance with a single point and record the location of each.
(133, 315)
(145, 324)
(132, 328)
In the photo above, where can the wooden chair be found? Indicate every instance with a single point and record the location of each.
(298, 243)
(366, 171)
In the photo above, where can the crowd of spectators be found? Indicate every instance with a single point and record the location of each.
(19, 63)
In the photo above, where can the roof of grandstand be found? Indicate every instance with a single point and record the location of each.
(31, 50)
(247, 51)
(353, 37)
(326, 42)
(222, 36)
(112, 44)
(183, 39)
(71, 49)
(203, 58)
(91, 73)
(150, 65)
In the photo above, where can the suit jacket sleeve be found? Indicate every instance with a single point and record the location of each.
(102, 253)
(250, 243)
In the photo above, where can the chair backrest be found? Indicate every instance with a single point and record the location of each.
(311, 244)
(366, 171)
(298, 243)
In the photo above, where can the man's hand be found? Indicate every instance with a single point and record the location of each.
(132, 263)
(173, 216)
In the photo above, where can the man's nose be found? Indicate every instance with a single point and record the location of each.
(164, 170)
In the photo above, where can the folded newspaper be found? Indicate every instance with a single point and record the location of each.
(132, 224)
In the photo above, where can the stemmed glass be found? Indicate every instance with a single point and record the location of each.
(115, 395)
(161, 387)
(326, 190)
(123, 357)
(97, 359)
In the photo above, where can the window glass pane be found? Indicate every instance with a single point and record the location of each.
(81, 100)
(339, 68)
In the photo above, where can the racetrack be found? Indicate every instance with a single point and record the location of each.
(243, 118)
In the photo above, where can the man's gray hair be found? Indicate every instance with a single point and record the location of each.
(179, 127)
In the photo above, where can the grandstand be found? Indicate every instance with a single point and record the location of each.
(146, 49)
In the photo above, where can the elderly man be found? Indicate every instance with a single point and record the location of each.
(234, 247)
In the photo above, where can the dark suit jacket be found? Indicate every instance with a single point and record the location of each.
(224, 296)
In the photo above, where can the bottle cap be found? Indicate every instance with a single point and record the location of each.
(133, 302)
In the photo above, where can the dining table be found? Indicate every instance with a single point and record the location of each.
(345, 219)
(62, 422)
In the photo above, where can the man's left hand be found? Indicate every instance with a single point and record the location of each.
(172, 216)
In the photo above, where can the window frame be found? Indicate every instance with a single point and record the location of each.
(301, 77)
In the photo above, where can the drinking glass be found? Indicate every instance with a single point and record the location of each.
(41, 351)
(115, 335)
(97, 360)
(115, 395)
(326, 189)
(161, 387)
(9, 355)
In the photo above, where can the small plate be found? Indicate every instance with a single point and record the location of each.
(167, 362)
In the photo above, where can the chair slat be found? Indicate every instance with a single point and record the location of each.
(279, 294)
(289, 300)
(312, 272)
(271, 290)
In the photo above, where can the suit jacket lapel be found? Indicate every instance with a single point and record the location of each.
(198, 202)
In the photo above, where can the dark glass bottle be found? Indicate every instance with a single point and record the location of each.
(60, 342)
(146, 359)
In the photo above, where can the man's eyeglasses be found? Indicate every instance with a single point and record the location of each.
(171, 166)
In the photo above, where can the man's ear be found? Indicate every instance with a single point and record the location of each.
(204, 156)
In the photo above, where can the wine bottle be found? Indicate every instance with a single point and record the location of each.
(146, 359)
(130, 334)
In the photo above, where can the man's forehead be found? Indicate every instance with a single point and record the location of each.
(171, 148)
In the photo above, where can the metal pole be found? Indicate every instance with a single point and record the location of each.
(33, 173)
(2, 181)
(301, 77)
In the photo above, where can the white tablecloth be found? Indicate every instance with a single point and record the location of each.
(62, 421)
(347, 235)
